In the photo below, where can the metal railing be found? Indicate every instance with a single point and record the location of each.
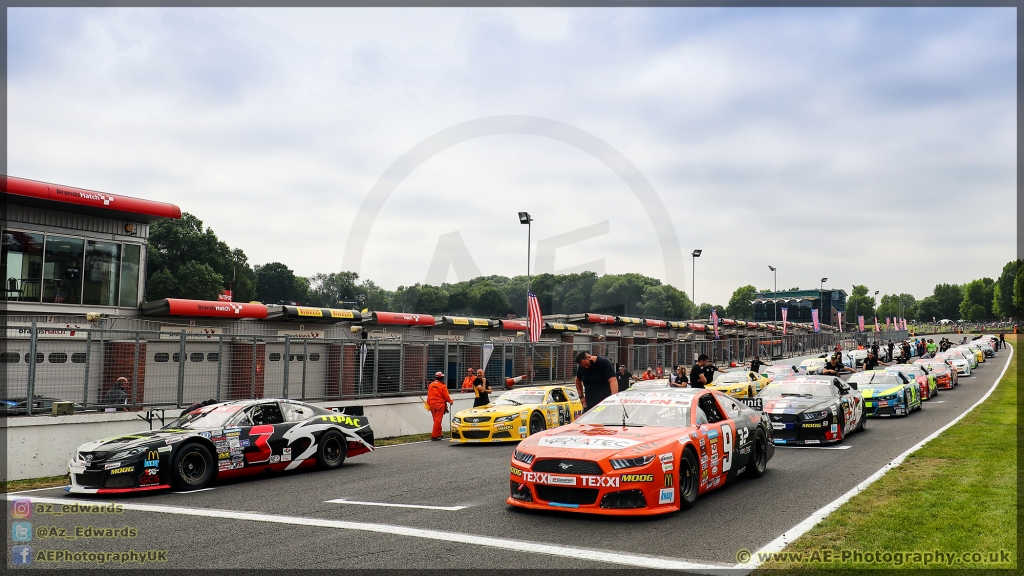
(99, 369)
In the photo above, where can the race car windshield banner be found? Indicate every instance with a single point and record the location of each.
(785, 311)
(860, 323)
(814, 319)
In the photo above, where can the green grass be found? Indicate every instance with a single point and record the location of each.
(405, 439)
(956, 494)
(29, 484)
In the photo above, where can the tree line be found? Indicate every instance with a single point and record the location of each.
(184, 260)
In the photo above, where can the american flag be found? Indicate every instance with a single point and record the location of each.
(533, 319)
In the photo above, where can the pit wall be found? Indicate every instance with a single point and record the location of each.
(40, 446)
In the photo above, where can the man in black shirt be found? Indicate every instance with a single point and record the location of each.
(702, 373)
(482, 389)
(872, 361)
(755, 364)
(834, 366)
(624, 377)
(891, 347)
(595, 379)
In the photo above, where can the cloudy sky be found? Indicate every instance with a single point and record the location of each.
(868, 146)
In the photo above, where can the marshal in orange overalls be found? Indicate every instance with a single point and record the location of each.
(438, 400)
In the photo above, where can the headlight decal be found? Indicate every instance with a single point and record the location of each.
(523, 457)
(622, 463)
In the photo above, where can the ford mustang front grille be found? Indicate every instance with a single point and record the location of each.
(624, 499)
(565, 495)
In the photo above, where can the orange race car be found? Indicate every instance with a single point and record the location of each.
(641, 452)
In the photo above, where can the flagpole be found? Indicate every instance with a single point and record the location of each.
(525, 218)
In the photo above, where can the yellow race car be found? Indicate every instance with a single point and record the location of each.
(739, 384)
(517, 414)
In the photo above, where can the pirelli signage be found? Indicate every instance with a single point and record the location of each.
(309, 313)
(468, 322)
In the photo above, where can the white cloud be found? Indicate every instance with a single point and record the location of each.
(799, 138)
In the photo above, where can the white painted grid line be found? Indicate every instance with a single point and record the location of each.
(522, 546)
(388, 504)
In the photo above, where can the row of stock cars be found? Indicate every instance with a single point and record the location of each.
(647, 450)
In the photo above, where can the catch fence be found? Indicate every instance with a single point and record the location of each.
(100, 368)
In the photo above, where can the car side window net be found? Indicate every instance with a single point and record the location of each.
(707, 403)
(271, 414)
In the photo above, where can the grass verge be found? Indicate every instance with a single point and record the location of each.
(378, 442)
(29, 484)
(957, 496)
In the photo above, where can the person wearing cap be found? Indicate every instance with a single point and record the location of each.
(467, 382)
(648, 374)
(834, 366)
(659, 372)
(872, 361)
(624, 377)
(595, 379)
(438, 401)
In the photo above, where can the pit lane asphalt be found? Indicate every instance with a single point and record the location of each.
(746, 515)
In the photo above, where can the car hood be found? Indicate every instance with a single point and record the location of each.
(101, 449)
(595, 442)
(722, 386)
(795, 405)
(876, 391)
(496, 411)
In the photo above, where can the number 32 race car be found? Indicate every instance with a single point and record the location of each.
(641, 452)
(220, 440)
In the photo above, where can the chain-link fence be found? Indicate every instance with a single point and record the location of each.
(109, 369)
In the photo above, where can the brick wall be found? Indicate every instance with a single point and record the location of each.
(118, 361)
(414, 368)
(241, 383)
(337, 370)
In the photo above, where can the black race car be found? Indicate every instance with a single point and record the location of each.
(220, 440)
(812, 409)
